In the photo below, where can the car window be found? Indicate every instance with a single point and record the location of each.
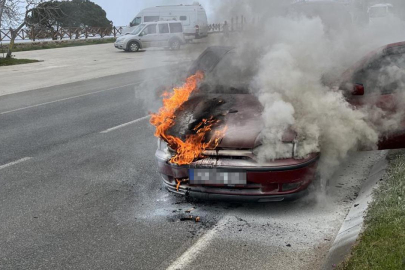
(151, 18)
(384, 75)
(207, 62)
(183, 18)
(150, 29)
(232, 72)
(176, 28)
(163, 28)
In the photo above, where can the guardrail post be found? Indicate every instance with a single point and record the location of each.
(232, 24)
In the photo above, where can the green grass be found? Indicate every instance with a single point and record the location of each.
(14, 61)
(382, 244)
(58, 44)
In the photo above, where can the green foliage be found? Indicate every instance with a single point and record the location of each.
(74, 13)
(382, 245)
(60, 44)
(14, 61)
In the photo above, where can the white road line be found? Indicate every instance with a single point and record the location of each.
(191, 254)
(63, 99)
(14, 162)
(124, 125)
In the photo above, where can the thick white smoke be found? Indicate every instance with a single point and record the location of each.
(297, 54)
(290, 88)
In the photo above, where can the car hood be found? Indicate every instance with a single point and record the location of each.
(240, 113)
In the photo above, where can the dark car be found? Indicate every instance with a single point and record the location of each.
(231, 170)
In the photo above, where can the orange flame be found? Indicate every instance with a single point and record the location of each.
(190, 149)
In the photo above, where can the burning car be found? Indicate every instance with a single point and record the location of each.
(209, 133)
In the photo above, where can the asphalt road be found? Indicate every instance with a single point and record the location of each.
(79, 190)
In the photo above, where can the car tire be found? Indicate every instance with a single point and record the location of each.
(133, 46)
(174, 44)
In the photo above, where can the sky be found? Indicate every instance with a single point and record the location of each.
(121, 12)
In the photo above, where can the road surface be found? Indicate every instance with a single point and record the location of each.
(79, 190)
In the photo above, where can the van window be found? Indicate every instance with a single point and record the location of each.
(151, 18)
(183, 18)
(163, 28)
(150, 29)
(176, 28)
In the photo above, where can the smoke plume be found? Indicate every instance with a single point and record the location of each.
(297, 58)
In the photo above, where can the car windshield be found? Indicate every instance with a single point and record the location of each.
(231, 74)
(138, 29)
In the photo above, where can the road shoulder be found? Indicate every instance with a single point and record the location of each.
(353, 223)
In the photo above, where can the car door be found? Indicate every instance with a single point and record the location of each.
(382, 79)
(149, 36)
(164, 34)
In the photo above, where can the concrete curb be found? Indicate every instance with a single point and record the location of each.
(353, 223)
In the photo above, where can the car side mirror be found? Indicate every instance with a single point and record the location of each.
(131, 24)
(358, 89)
(142, 34)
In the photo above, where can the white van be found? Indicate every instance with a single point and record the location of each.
(381, 13)
(154, 34)
(192, 17)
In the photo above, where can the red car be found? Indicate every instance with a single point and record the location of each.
(231, 169)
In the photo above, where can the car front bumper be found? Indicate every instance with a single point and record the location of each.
(265, 182)
(120, 46)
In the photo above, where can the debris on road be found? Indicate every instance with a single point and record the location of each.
(187, 218)
(189, 210)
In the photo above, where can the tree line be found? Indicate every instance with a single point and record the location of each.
(49, 15)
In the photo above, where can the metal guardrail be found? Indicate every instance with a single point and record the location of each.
(235, 24)
(61, 33)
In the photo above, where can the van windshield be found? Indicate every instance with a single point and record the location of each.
(136, 21)
(138, 29)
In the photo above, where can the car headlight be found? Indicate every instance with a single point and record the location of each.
(162, 145)
(163, 149)
(295, 149)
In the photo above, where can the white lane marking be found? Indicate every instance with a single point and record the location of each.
(191, 254)
(124, 125)
(63, 99)
(14, 162)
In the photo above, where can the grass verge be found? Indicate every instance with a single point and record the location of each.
(382, 244)
(20, 47)
(14, 61)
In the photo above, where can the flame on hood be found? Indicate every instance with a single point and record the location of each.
(195, 143)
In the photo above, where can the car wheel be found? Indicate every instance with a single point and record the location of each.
(133, 46)
(175, 44)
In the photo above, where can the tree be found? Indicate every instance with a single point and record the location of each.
(9, 12)
(21, 19)
(75, 13)
(47, 15)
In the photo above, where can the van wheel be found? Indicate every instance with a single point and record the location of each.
(133, 46)
(175, 44)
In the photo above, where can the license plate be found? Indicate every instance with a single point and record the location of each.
(216, 177)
